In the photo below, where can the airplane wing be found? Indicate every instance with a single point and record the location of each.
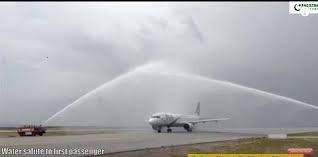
(208, 120)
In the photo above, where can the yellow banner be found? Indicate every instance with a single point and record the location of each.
(245, 155)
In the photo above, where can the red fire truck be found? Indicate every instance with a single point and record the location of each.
(31, 130)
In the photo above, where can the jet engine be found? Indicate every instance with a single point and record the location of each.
(188, 127)
(155, 127)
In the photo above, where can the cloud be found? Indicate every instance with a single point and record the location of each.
(53, 53)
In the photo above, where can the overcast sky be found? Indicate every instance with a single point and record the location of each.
(53, 53)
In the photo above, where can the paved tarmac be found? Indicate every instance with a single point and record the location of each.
(108, 142)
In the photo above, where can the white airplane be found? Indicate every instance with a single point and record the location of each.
(161, 119)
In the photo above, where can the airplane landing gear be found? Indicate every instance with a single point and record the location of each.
(169, 130)
(159, 130)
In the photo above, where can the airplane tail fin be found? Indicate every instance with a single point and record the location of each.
(197, 110)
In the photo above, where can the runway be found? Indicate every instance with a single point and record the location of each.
(116, 141)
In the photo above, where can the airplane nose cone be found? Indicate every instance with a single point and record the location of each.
(151, 121)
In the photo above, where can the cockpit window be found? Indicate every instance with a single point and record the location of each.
(155, 116)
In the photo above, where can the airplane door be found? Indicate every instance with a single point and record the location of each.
(169, 118)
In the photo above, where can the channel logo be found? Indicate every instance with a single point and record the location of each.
(305, 151)
(303, 8)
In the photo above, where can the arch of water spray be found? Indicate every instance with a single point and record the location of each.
(129, 99)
